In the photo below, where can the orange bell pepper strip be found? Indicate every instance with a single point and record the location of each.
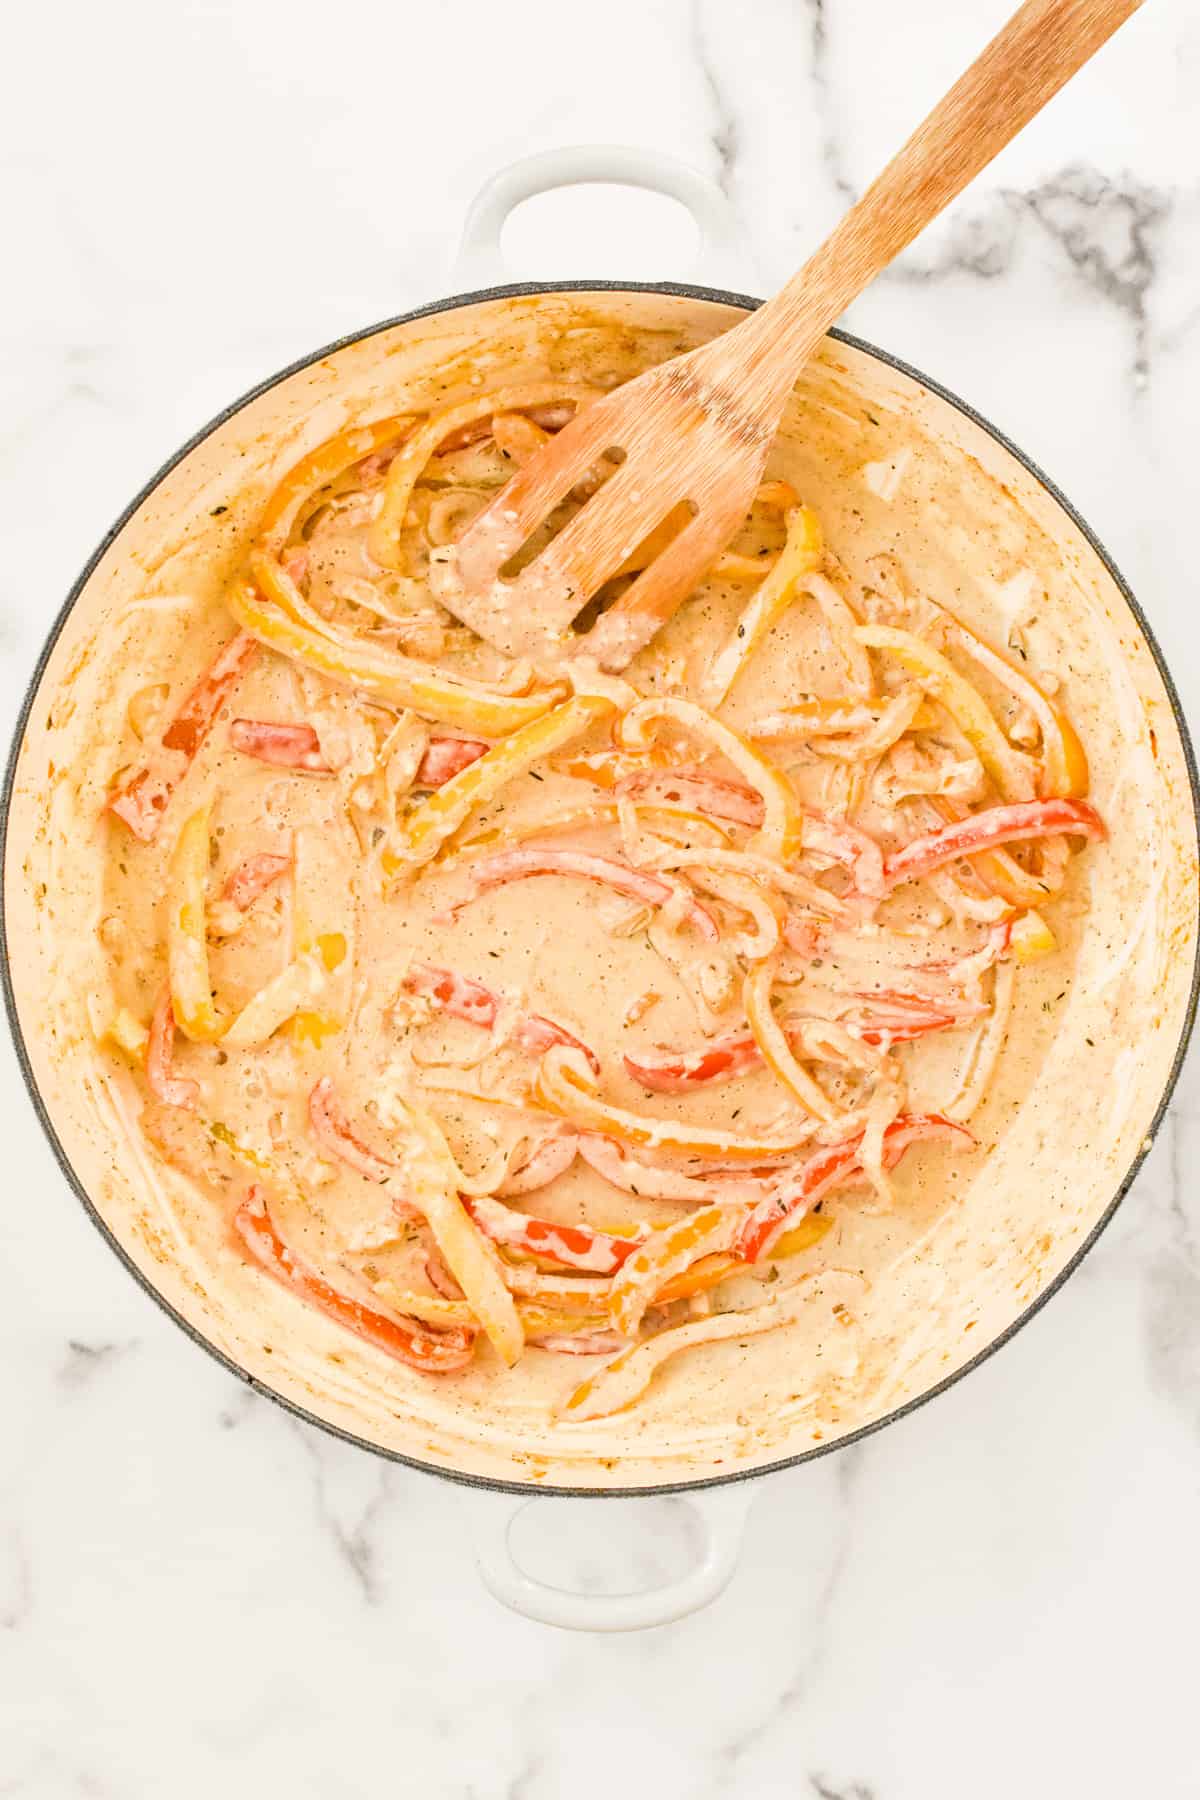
(830, 1168)
(985, 830)
(274, 613)
(664, 1255)
(142, 801)
(432, 1352)
(430, 825)
(564, 1086)
(318, 469)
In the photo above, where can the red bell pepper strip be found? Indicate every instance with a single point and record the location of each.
(433, 1352)
(986, 830)
(283, 745)
(622, 877)
(165, 1085)
(896, 1017)
(444, 758)
(550, 1159)
(141, 803)
(715, 795)
(252, 878)
(829, 1169)
(464, 998)
(569, 1246)
(331, 1128)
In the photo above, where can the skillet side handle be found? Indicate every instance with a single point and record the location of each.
(722, 257)
(722, 1515)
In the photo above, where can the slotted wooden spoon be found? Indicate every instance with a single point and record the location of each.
(692, 434)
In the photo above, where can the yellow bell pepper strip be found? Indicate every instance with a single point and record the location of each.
(780, 833)
(609, 871)
(431, 1175)
(284, 746)
(304, 481)
(775, 1049)
(433, 1353)
(985, 830)
(564, 1087)
(464, 998)
(429, 825)
(1009, 768)
(385, 674)
(187, 941)
(619, 1383)
(710, 1271)
(567, 1246)
(801, 555)
(663, 1256)
(142, 801)
(830, 1168)
(409, 465)
(1064, 762)
(1031, 937)
(165, 1085)
(292, 991)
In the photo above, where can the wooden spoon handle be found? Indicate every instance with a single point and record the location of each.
(1023, 67)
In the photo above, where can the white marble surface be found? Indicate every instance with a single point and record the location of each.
(198, 1594)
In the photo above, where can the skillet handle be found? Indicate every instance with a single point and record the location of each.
(721, 1513)
(722, 257)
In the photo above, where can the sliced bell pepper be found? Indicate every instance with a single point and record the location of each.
(619, 1383)
(828, 1169)
(775, 1049)
(800, 556)
(434, 1353)
(985, 830)
(648, 1183)
(564, 1087)
(383, 674)
(409, 465)
(429, 825)
(432, 1174)
(252, 877)
(664, 1255)
(142, 801)
(1008, 767)
(569, 1246)
(464, 998)
(318, 469)
(187, 940)
(331, 1128)
(445, 757)
(165, 1085)
(779, 835)
(610, 871)
(285, 746)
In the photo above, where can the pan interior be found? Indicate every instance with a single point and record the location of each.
(889, 465)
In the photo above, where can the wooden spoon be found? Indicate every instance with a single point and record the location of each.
(691, 436)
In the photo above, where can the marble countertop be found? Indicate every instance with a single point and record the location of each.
(200, 1594)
